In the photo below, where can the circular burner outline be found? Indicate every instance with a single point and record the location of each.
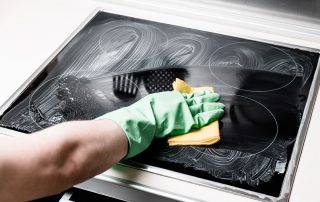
(160, 45)
(254, 91)
(248, 156)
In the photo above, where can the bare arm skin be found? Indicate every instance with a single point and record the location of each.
(56, 158)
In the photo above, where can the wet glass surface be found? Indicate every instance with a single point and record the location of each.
(115, 60)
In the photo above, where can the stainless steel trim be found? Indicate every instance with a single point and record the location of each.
(223, 18)
(10, 133)
(198, 181)
(66, 197)
(302, 133)
(131, 191)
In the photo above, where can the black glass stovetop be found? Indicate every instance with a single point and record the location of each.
(116, 60)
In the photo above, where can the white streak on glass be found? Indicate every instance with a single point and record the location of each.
(184, 49)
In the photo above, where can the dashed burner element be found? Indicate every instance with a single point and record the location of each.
(236, 63)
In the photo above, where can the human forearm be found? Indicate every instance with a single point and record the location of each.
(56, 158)
(83, 149)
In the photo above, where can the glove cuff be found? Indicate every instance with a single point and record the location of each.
(139, 133)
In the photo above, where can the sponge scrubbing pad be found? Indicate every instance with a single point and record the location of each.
(183, 87)
(207, 135)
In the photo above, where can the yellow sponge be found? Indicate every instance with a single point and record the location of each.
(183, 87)
(204, 136)
(207, 135)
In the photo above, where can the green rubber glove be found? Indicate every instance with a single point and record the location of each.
(167, 113)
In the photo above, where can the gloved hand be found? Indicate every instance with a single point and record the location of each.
(167, 113)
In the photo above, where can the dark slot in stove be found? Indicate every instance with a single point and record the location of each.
(265, 89)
